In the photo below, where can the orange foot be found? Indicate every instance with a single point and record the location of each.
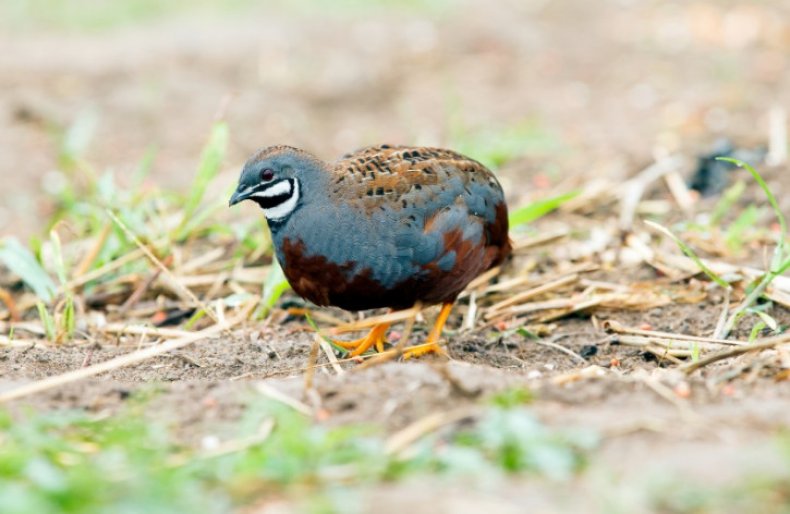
(376, 337)
(431, 345)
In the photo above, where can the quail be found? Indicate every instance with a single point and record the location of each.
(382, 227)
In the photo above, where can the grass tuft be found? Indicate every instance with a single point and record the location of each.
(75, 462)
(47, 321)
(780, 261)
(538, 209)
(690, 253)
(274, 286)
(24, 264)
(210, 162)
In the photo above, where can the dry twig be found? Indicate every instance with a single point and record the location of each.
(123, 360)
(279, 396)
(764, 344)
(400, 441)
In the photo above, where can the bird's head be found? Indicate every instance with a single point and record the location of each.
(274, 178)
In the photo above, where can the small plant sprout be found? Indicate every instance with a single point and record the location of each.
(538, 209)
(690, 253)
(780, 260)
(47, 321)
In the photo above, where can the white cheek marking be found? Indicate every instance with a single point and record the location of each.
(277, 189)
(279, 212)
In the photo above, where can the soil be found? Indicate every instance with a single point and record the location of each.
(612, 82)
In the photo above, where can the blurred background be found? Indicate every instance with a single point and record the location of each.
(542, 91)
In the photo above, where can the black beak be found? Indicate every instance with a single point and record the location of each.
(241, 194)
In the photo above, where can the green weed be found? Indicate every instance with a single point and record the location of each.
(780, 261)
(690, 253)
(329, 341)
(695, 351)
(513, 397)
(24, 264)
(68, 320)
(274, 286)
(735, 233)
(76, 139)
(743, 226)
(726, 203)
(75, 462)
(538, 209)
(47, 321)
(210, 162)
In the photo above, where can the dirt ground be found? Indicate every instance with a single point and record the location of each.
(613, 83)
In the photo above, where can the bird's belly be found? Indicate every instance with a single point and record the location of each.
(351, 287)
(325, 282)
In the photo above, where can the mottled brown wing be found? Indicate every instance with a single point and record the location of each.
(382, 175)
(405, 181)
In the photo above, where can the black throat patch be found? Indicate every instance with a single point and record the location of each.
(268, 202)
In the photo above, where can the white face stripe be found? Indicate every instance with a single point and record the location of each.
(281, 187)
(282, 210)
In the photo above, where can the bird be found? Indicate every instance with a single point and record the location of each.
(383, 227)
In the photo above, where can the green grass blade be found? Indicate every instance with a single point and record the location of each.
(197, 316)
(535, 210)
(764, 187)
(738, 229)
(689, 253)
(69, 323)
(22, 263)
(78, 137)
(273, 288)
(695, 351)
(756, 329)
(133, 462)
(331, 343)
(780, 262)
(46, 320)
(727, 202)
(57, 257)
(143, 168)
(210, 162)
(784, 266)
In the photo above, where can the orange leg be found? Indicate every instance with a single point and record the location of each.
(431, 345)
(377, 336)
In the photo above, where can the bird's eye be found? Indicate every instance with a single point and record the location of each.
(266, 175)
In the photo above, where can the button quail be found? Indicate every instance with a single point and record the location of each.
(385, 226)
